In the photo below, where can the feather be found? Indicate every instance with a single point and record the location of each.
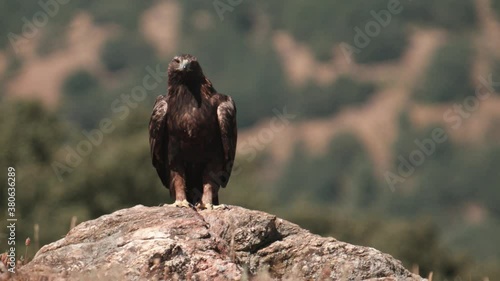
(158, 139)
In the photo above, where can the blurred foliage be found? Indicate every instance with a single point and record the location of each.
(342, 176)
(11, 19)
(388, 45)
(448, 78)
(127, 50)
(14, 65)
(495, 4)
(321, 30)
(437, 13)
(319, 101)
(116, 12)
(79, 84)
(100, 170)
(495, 76)
(51, 39)
(447, 183)
(23, 18)
(81, 91)
(30, 138)
(462, 238)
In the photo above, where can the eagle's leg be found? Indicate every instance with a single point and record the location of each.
(210, 197)
(209, 190)
(179, 187)
(207, 197)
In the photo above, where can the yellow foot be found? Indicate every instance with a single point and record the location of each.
(182, 204)
(221, 207)
(210, 206)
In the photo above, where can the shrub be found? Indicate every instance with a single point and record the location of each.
(495, 76)
(52, 39)
(322, 30)
(352, 92)
(80, 83)
(450, 14)
(113, 55)
(114, 11)
(127, 50)
(83, 103)
(388, 45)
(448, 77)
(322, 101)
(495, 5)
(343, 175)
(31, 136)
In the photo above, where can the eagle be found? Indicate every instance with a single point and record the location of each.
(192, 136)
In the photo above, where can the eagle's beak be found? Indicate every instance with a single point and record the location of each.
(184, 65)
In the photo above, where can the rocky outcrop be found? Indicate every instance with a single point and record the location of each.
(167, 243)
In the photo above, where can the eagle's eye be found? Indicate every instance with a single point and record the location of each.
(176, 60)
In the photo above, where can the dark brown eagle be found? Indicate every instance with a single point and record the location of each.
(192, 134)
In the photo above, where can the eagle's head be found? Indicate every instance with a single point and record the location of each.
(185, 69)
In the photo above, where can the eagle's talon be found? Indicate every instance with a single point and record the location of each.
(221, 207)
(210, 206)
(182, 204)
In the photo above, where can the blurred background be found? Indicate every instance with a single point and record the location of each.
(339, 105)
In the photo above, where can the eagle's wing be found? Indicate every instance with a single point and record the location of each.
(226, 114)
(158, 139)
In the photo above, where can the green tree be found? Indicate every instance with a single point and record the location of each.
(80, 83)
(126, 50)
(83, 102)
(495, 76)
(30, 138)
(115, 12)
(388, 45)
(495, 4)
(318, 101)
(448, 77)
(342, 176)
(437, 13)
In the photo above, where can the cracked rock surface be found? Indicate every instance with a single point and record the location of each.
(168, 243)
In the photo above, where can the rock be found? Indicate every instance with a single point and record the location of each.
(167, 243)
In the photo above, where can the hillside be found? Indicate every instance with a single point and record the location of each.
(41, 76)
